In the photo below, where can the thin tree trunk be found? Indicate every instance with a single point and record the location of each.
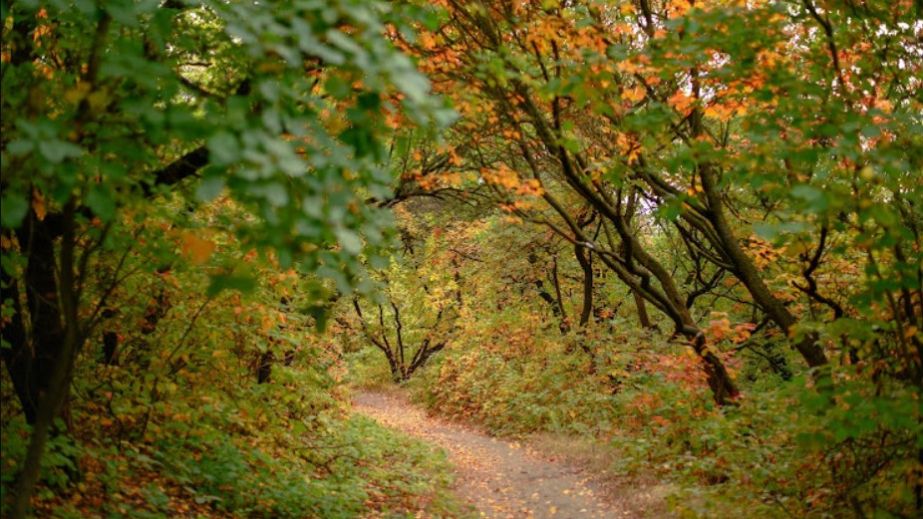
(746, 271)
(57, 383)
(37, 241)
(585, 259)
(719, 380)
(264, 367)
(565, 327)
(18, 357)
(641, 306)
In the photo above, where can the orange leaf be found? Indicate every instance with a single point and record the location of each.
(196, 249)
(681, 102)
(634, 94)
(38, 205)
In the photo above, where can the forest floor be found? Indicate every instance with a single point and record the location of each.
(503, 478)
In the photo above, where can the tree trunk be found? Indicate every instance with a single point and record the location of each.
(641, 306)
(585, 259)
(49, 407)
(666, 299)
(18, 357)
(264, 367)
(719, 380)
(54, 361)
(110, 348)
(746, 271)
(31, 369)
(565, 321)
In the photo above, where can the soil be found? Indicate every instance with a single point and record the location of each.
(499, 478)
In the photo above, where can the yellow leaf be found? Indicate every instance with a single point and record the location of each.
(266, 323)
(427, 41)
(628, 146)
(196, 249)
(628, 67)
(910, 332)
(677, 8)
(38, 205)
(76, 94)
(634, 94)
(717, 111)
(98, 100)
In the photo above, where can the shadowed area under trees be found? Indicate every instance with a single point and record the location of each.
(671, 246)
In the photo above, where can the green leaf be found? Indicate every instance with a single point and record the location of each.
(321, 315)
(349, 240)
(671, 209)
(814, 198)
(337, 87)
(56, 151)
(344, 42)
(223, 149)
(13, 209)
(276, 194)
(210, 187)
(101, 203)
(222, 282)
(19, 147)
(415, 85)
(771, 231)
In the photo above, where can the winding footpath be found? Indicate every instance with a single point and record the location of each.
(500, 479)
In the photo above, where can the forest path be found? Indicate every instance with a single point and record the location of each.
(500, 478)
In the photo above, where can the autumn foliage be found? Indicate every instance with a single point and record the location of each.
(686, 232)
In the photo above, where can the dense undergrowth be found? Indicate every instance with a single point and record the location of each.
(785, 450)
(191, 402)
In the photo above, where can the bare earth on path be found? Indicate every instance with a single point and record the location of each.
(500, 478)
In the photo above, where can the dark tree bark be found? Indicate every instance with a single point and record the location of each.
(585, 259)
(641, 307)
(110, 348)
(18, 356)
(559, 299)
(748, 274)
(264, 367)
(396, 354)
(64, 322)
(630, 261)
(30, 363)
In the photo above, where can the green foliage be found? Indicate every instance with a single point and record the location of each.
(368, 369)
(58, 464)
(360, 461)
(516, 388)
(233, 98)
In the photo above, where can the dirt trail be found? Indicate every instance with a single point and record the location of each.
(501, 479)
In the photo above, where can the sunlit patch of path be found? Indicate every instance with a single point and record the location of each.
(501, 479)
